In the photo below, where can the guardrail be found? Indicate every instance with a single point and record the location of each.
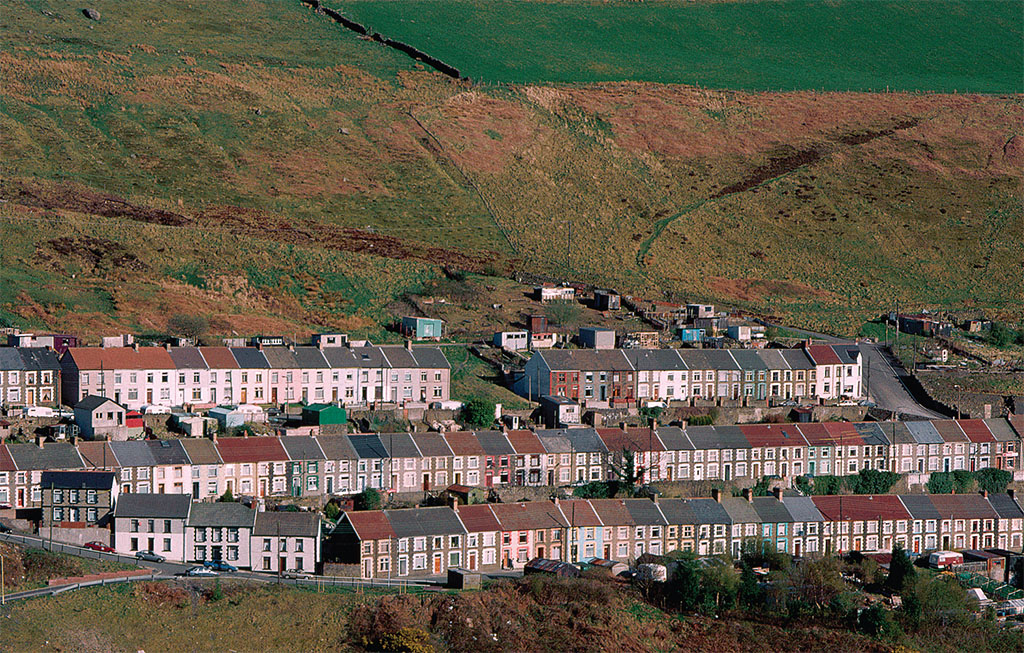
(403, 585)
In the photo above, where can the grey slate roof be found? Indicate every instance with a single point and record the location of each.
(250, 358)
(1001, 430)
(673, 438)
(570, 440)
(740, 511)
(77, 480)
(717, 437)
(1005, 506)
(398, 357)
(10, 359)
(847, 353)
(770, 509)
(287, 524)
(802, 509)
(655, 359)
(749, 359)
(494, 443)
(302, 447)
(143, 453)
(924, 432)
(92, 402)
(430, 357)
(439, 520)
(310, 357)
(153, 506)
(919, 506)
(644, 511)
(226, 515)
(368, 445)
(369, 357)
(677, 511)
(340, 357)
(39, 358)
(280, 358)
(798, 359)
(708, 359)
(872, 433)
(773, 359)
(52, 455)
(188, 358)
(898, 433)
(587, 360)
(432, 444)
(399, 445)
(336, 447)
(708, 511)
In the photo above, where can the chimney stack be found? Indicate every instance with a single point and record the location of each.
(135, 346)
(1010, 493)
(40, 440)
(408, 344)
(716, 494)
(167, 346)
(622, 425)
(453, 502)
(984, 493)
(748, 494)
(778, 493)
(988, 411)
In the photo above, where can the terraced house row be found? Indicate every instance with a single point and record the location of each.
(423, 462)
(626, 375)
(489, 537)
(205, 376)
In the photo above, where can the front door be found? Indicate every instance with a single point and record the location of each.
(21, 498)
(30, 396)
(263, 487)
(367, 568)
(472, 560)
(437, 563)
(149, 396)
(273, 395)
(426, 482)
(330, 485)
(245, 394)
(195, 490)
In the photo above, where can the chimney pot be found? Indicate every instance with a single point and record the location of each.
(778, 493)
(716, 494)
(408, 344)
(622, 425)
(984, 493)
(1010, 492)
(167, 346)
(40, 440)
(748, 494)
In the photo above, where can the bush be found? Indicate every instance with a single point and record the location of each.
(877, 621)
(332, 511)
(940, 483)
(227, 497)
(993, 480)
(596, 490)
(478, 412)
(872, 481)
(368, 499)
(901, 570)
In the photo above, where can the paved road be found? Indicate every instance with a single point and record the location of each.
(885, 385)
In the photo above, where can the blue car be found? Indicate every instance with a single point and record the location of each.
(219, 565)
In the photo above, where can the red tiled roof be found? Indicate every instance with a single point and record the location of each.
(251, 450)
(579, 513)
(816, 434)
(97, 454)
(824, 355)
(861, 507)
(844, 433)
(478, 518)
(612, 511)
(527, 516)
(772, 435)
(976, 430)
(525, 442)
(6, 462)
(371, 524)
(121, 358)
(219, 358)
(464, 443)
(949, 430)
(1017, 422)
(963, 506)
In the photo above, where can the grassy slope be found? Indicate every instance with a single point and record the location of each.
(787, 44)
(172, 106)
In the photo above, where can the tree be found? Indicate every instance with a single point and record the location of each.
(564, 314)
(816, 582)
(478, 412)
(872, 481)
(993, 480)
(368, 499)
(750, 593)
(187, 326)
(332, 511)
(910, 611)
(628, 474)
(902, 572)
(1000, 335)
(877, 621)
(227, 497)
(596, 490)
(940, 483)
(649, 414)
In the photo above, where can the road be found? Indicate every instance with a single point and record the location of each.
(884, 377)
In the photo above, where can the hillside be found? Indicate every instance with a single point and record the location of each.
(271, 171)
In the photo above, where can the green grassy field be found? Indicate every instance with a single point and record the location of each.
(957, 45)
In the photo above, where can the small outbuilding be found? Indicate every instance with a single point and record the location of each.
(422, 328)
(324, 415)
(231, 416)
(463, 579)
(99, 418)
(552, 567)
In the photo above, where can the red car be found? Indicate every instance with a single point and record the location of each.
(99, 546)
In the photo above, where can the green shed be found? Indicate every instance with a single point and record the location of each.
(323, 415)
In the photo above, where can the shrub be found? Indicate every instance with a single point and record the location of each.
(478, 412)
(901, 570)
(227, 497)
(993, 480)
(332, 511)
(872, 481)
(878, 622)
(368, 499)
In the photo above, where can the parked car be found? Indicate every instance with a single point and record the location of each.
(198, 571)
(150, 556)
(38, 411)
(99, 546)
(294, 574)
(4, 528)
(219, 565)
